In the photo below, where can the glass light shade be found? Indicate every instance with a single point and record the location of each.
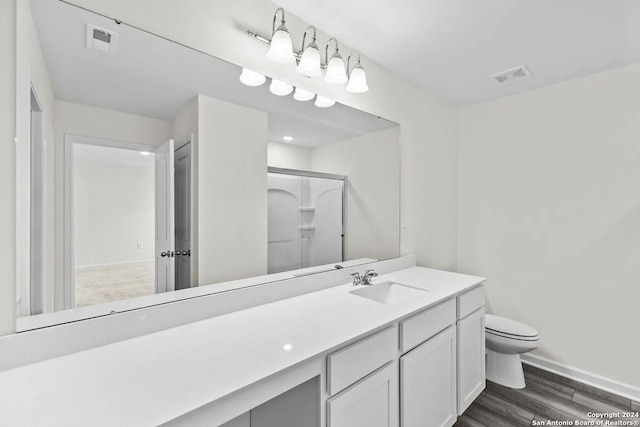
(303, 95)
(336, 74)
(357, 80)
(323, 102)
(280, 88)
(281, 49)
(309, 65)
(251, 78)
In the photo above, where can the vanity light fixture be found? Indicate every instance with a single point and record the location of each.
(288, 138)
(145, 153)
(303, 95)
(251, 78)
(336, 74)
(309, 64)
(281, 47)
(323, 102)
(280, 88)
(357, 77)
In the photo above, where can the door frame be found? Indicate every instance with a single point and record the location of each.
(69, 250)
(34, 298)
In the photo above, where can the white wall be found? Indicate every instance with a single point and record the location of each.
(550, 212)
(114, 206)
(288, 156)
(84, 120)
(371, 163)
(7, 167)
(232, 191)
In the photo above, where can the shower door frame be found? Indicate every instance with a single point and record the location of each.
(310, 174)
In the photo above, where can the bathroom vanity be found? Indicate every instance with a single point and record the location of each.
(408, 351)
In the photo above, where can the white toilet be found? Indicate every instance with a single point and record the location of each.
(506, 341)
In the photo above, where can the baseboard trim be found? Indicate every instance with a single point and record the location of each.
(612, 386)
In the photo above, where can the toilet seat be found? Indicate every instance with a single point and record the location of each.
(511, 329)
(511, 337)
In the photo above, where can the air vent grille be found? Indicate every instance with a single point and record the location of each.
(517, 73)
(101, 39)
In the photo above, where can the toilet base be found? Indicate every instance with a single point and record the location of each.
(505, 369)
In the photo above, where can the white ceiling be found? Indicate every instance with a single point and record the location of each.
(450, 47)
(153, 77)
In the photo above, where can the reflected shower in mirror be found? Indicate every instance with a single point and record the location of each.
(151, 169)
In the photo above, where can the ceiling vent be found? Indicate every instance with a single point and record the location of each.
(518, 73)
(101, 40)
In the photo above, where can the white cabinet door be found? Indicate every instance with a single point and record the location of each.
(428, 383)
(471, 359)
(371, 402)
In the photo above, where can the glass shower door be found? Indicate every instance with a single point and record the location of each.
(305, 221)
(284, 196)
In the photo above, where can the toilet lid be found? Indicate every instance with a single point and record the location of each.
(504, 326)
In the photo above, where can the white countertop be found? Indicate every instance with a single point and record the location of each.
(154, 378)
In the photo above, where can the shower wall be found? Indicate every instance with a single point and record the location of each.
(305, 216)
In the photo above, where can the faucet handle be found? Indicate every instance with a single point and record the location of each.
(368, 275)
(357, 278)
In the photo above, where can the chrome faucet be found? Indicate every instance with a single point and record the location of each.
(368, 275)
(363, 279)
(357, 279)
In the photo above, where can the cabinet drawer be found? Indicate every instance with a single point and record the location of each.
(346, 366)
(470, 301)
(419, 328)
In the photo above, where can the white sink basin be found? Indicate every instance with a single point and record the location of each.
(389, 292)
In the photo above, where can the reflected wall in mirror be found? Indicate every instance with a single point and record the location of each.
(151, 168)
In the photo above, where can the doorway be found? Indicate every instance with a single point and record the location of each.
(113, 220)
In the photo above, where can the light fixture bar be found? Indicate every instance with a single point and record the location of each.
(260, 38)
(266, 41)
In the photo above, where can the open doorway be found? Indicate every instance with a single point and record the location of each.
(113, 223)
(119, 220)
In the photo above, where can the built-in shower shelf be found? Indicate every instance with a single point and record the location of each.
(306, 227)
(306, 208)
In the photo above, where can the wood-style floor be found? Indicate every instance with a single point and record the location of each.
(547, 397)
(97, 285)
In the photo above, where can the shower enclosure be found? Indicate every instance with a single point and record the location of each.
(305, 214)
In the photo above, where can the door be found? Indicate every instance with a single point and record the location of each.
(371, 402)
(471, 359)
(323, 244)
(165, 214)
(183, 216)
(284, 198)
(428, 383)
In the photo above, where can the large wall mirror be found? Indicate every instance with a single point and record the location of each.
(152, 169)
